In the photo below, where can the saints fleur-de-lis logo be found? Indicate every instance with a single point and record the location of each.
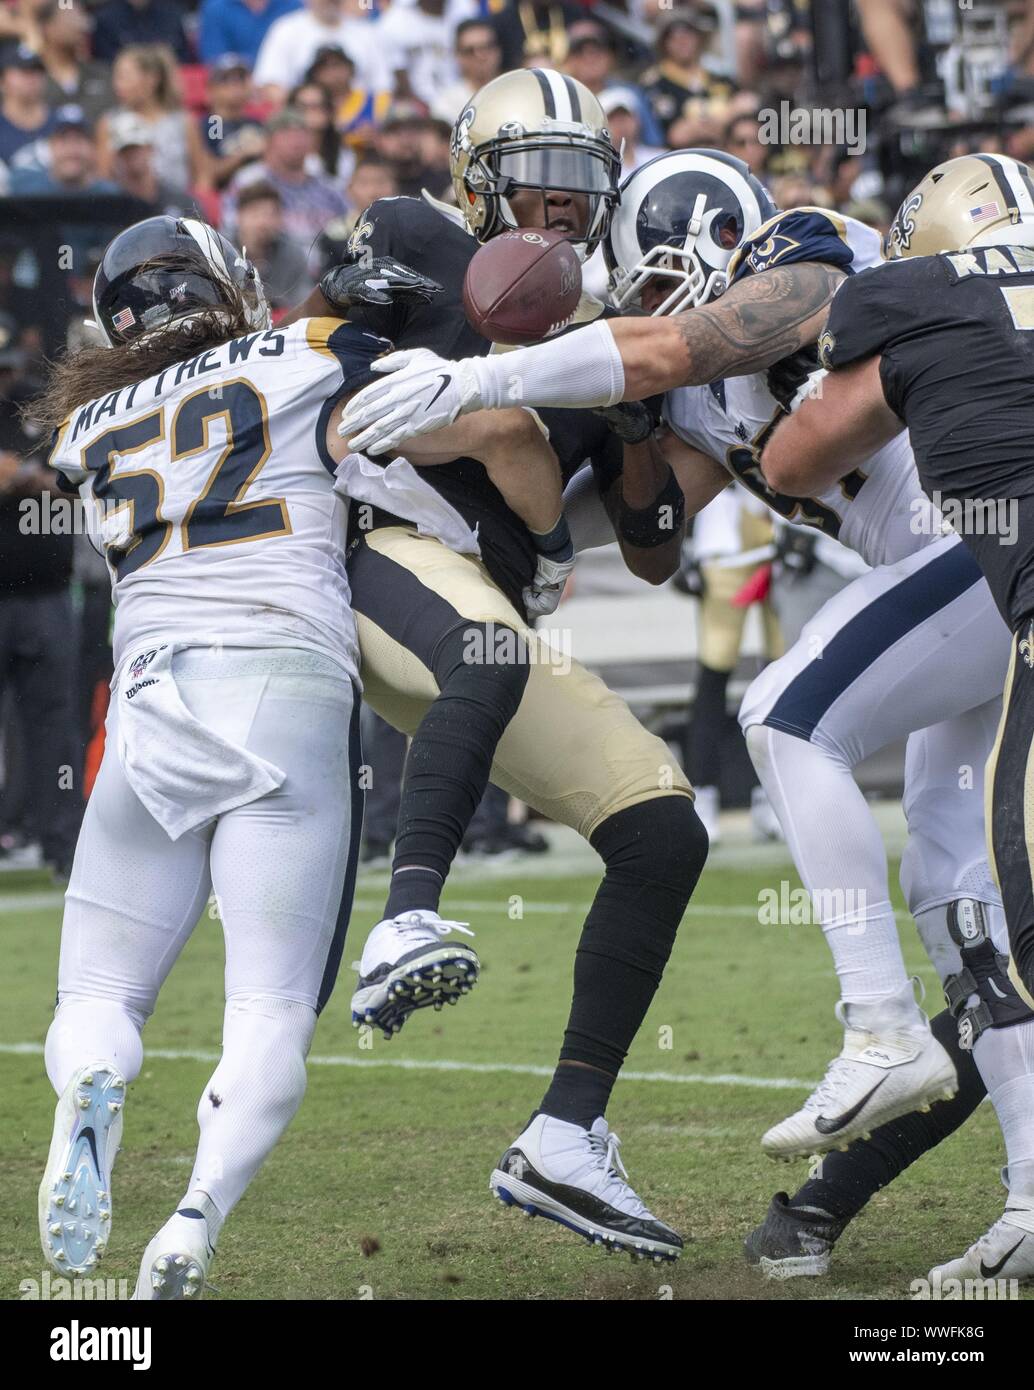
(903, 227)
(1027, 647)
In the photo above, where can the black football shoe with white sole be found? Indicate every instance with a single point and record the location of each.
(793, 1241)
(575, 1177)
(407, 966)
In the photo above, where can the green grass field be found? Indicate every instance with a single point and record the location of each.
(380, 1187)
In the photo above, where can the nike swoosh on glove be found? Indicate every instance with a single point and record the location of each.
(382, 280)
(544, 592)
(424, 392)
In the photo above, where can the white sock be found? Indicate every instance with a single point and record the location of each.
(251, 1098)
(839, 854)
(197, 1200)
(86, 1030)
(1005, 1057)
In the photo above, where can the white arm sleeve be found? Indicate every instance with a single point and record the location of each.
(580, 369)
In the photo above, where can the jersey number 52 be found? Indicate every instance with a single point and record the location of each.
(218, 515)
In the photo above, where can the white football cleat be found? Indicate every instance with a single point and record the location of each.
(407, 966)
(575, 1176)
(175, 1263)
(1006, 1251)
(883, 1071)
(75, 1194)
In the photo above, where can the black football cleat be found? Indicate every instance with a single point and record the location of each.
(574, 1176)
(793, 1241)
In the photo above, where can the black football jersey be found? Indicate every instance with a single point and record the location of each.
(415, 233)
(955, 335)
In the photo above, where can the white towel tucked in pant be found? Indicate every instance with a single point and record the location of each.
(184, 772)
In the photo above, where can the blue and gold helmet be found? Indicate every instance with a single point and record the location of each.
(166, 270)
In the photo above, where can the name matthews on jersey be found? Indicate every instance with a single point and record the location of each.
(268, 344)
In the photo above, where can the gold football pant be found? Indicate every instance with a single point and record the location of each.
(573, 751)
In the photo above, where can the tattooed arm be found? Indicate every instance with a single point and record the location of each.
(755, 323)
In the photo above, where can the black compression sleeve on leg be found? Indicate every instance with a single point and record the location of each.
(653, 853)
(706, 728)
(481, 680)
(848, 1180)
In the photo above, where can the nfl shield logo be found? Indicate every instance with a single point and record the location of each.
(140, 664)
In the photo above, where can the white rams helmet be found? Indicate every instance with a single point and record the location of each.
(681, 218)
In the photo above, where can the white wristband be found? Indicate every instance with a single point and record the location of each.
(582, 369)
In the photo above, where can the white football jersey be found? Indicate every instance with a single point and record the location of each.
(210, 491)
(878, 510)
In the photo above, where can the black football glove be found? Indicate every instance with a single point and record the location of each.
(689, 578)
(631, 421)
(382, 281)
(795, 550)
(785, 378)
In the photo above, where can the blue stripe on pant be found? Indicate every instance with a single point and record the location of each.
(355, 831)
(868, 635)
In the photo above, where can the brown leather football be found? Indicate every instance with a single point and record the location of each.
(522, 285)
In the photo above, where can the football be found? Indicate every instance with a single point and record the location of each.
(521, 286)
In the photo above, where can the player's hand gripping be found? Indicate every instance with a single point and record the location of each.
(544, 592)
(382, 280)
(424, 392)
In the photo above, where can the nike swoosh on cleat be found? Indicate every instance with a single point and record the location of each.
(88, 1134)
(989, 1271)
(445, 378)
(827, 1126)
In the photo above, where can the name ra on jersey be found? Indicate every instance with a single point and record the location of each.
(209, 490)
(879, 509)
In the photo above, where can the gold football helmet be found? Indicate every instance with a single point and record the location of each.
(538, 129)
(974, 200)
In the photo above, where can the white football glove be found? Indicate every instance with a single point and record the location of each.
(424, 392)
(544, 592)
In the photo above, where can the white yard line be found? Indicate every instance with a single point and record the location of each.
(13, 903)
(174, 1054)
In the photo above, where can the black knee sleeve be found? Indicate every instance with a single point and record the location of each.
(653, 853)
(481, 670)
(849, 1179)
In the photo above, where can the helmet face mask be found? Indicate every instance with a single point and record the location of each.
(165, 272)
(682, 216)
(533, 131)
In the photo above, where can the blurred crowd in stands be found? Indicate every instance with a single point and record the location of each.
(280, 120)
